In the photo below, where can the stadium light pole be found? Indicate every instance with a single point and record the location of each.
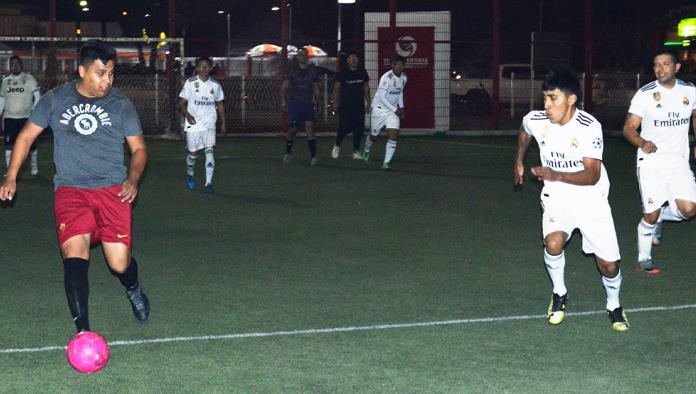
(228, 39)
(276, 8)
(338, 38)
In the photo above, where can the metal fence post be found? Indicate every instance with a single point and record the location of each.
(243, 98)
(637, 81)
(326, 98)
(156, 98)
(512, 95)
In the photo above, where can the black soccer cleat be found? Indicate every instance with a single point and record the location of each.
(139, 303)
(619, 322)
(557, 307)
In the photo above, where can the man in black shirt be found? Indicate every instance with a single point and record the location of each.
(351, 96)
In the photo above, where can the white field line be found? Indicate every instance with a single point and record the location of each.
(343, 329)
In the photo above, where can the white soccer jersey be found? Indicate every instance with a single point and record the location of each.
(18, 92)
(390, 92)
(562, 148)
(666, 114)
(202, 98)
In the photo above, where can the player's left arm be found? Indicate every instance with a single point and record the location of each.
(37, 97)
(36, 93)
(588, 176)
(316, 92)
(2, 96)
(366, 95)
(129, 188)
(401, 111)
(220, 105)
(693, 126)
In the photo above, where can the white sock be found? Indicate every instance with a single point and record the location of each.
(390, 150)
(209, 165)
(8, 154)
(190, 163)
(671, 213)
(34, 158)
(613, 288)
(645, 236)
(555, 266)
(368, 144)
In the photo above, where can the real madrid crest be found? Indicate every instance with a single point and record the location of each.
(196, 84)
(574, 141)
(656, 96)
(685, 101)
(546, 131)
(212, 90)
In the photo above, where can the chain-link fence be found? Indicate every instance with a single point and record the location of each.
(151, 74)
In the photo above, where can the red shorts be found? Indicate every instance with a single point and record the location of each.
(98, 212)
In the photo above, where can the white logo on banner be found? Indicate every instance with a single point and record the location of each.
(406, 46)
(85, 124)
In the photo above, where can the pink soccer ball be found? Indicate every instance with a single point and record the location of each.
(87, 352)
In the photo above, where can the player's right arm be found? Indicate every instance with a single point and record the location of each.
(336, 96)
(630, 132)
(2, 96)
(183, 103)
(523, 140)
(26, 137)
(284, 95)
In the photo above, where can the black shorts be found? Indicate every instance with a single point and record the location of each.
(300, 112)
(351, 119)
(12, 127)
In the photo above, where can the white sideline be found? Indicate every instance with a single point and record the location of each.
(344, 329)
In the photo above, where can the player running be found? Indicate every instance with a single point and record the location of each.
(663, 110)
(199, 99)
(19, 94)
(93, 192)
(387, 111)
(575, 193)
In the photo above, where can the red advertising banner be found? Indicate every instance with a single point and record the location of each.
(417, 46)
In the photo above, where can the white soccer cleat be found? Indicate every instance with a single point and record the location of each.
(335, 152)
(357, 155)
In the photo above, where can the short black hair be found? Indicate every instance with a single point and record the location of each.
(204, 59)
(668, 52)
(565, 81)
(352, 52)
(17, 58)
(399, 58)
(93, 50)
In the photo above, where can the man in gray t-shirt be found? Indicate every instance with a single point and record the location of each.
(93, 188)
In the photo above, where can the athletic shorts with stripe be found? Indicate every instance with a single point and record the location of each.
(98, 212)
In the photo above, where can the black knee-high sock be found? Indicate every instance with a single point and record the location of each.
(77, 290)
(288, 146)
(312, 147)
(129, 277)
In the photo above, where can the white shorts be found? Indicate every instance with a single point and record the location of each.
(592, 216)
(660, 185)
(383, 118)
(198, 140)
